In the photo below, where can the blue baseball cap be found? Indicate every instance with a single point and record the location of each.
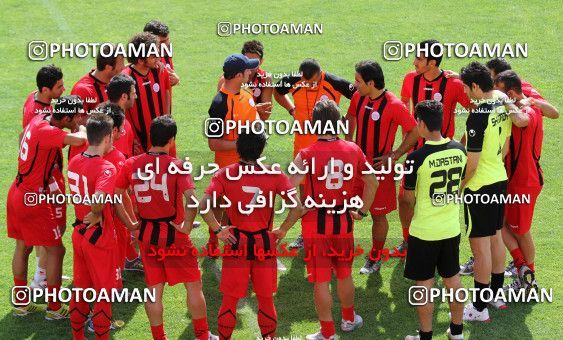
(236, 63)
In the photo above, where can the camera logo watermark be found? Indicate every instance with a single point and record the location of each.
(394, 50)
(31, 199)
(39, 50)
(227, 28)
(421, 295)
(440, 199)
(217, 127)
(24, 295)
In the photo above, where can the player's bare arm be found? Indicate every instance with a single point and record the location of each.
(223, 233)
(173, 76)
(547, 110)
(124, 210)
(264, 110)
(410, 198)
(186, 226)
(267, 91)
(471, 167)
(518, 117)
(285, 102)
(95, 215)
(408, 143)
(76, 138)
(293, 216)
(352, 123)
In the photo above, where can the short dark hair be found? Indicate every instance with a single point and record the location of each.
(48, 76)
(253, 46)
(510, 80)
(98, 126)
(118, 85)
(498, 65)
(102, 61)
(477, 73)
(326, 112)
(143, 38)
(251, 145)
(157, 28)
(162, 129)
(68, 106)
(370, 70)
(309, 67)
(431, 113)
(435, 52)
(113, 111)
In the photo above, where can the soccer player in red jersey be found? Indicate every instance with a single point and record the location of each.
(249, 232)
(525, 177)
(94, 243)
(50, 86)
(92, 87)
(429, 82)
(326, 229)
(121, 91)
(378, 113)
(152, 86)
(30, 221)
(165, 225)
(308, 88)
(498, 65)
(259, 82)
(162, 31)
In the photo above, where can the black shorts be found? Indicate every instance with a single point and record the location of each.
(482, 220)
(424, 257)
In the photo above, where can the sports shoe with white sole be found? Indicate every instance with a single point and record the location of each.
(516, 285)
(281, 266)
(401, 249)
(370, 266)
(527, 278)
(298, 243)
(498, 304)
(38, 285)
(319, 336)
(115, 324)
(30, 308)
(412, 337)
(135, 265)
(61, 313)
(510, 270)
(454, 337)
(472, 314)
(348, 326)
(467, 267)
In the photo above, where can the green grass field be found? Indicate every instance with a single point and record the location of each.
(352, 31)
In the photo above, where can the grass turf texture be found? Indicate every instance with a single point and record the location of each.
(352, 32)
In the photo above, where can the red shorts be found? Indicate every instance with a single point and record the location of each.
(123, 241)
(170, 269)
(237, 272)
(94, 267)
(321, 260)
(519, 216)
(385, 200)
(36, 225)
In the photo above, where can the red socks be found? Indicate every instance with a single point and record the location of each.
(532, 266)
(54, 305)
(405, 234)
(376, 248)
(227, 319)
(158, 332)
(201, 328)
(518, 257)
(327, 329)
(348, 313)
(79, 311)
(267, 316)
(101, 318)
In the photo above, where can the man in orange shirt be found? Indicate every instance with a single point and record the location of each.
(312, 85)
(231, 103)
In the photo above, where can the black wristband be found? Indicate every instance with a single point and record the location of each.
(361, 213)
(218, 230)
